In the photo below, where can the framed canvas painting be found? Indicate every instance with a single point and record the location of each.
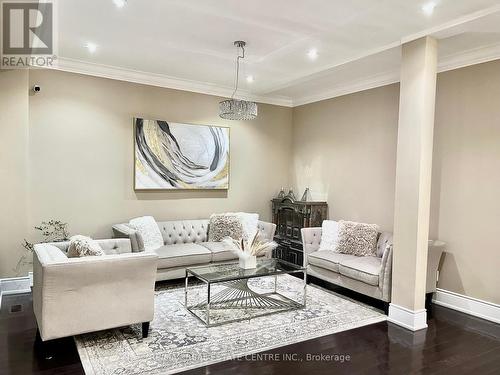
(171, 155)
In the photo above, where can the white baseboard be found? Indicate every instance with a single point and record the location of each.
(469, 305)
(406, 318)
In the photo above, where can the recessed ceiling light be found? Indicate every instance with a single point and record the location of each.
(120, 3)
(312, 54)
(429, 7)
(92, 47)
(250, 79)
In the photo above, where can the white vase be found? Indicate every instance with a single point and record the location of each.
(248, 262)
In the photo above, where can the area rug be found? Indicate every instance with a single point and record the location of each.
(178, 341)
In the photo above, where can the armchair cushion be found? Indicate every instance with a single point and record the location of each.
(186, 254)
(110, 247)
(365, 269)
(328, 259)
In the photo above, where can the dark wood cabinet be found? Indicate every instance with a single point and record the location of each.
(290, 216)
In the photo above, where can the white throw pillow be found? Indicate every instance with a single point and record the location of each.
(149, 231)
(82, 246)
(249, 223)
(329, 235)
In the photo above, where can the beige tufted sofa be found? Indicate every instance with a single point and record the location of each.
(98, 288)
(185, 244)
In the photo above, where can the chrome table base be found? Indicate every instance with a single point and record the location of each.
(237, 295)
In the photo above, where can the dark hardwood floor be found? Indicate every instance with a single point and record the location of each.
(453, 344)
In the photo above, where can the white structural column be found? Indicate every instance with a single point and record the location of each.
(413, 182)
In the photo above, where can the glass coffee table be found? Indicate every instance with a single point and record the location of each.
(224, 293)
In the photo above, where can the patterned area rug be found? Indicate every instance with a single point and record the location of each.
(178, 341)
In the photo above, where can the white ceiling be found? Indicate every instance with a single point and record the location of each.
(188, 44)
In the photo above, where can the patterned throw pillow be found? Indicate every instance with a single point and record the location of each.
(82, 246)
(224, 225)
(249, 222)
(357, 238)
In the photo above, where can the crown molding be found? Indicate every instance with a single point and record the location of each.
(160, 80)
(371, 82)
(451, 62)
(470, 57)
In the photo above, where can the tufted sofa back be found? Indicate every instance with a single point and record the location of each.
(183, 231)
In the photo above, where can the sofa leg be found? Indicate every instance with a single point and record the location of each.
(43, 349)
(145, 329)
(38, 338)
(386, 308)
(428, 304)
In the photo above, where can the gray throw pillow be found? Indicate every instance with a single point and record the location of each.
(82, 246)
(357, 238)
(223, 225)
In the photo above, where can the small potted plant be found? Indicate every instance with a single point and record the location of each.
(52, 231)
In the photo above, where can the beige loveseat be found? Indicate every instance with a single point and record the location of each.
(370, 275)
(185, 243)
(72, 296)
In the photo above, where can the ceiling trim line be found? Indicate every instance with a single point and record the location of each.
(453, 23)
(470, 57)
(323, 70)
(452, 62)
(160, 80)
(369, 83)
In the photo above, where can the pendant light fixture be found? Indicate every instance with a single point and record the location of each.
(236, 109)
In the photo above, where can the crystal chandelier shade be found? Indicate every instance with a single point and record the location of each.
(236, 109)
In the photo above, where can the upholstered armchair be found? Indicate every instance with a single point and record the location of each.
(72, 296)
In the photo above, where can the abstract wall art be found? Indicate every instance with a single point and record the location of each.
(180, 156)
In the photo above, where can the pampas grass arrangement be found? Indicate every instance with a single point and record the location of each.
(249, 250)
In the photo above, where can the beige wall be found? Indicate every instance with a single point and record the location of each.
(81, 155)
(13, 167)
(466, 179)
(345, 152)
